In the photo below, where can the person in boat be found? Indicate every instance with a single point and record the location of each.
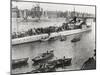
(44, 65)
(74, 19)
(63, 61)
(40, 65)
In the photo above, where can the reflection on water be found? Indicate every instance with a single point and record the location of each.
(79, 51)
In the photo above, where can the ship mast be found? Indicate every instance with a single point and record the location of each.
(74, 17)
(74, 12)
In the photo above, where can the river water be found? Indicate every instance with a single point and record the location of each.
(79, 51)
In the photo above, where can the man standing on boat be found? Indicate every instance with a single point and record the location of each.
(63, 62)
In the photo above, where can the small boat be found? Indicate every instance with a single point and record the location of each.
(63, 38)
(43, 56)
(61, 62)
(44, 39)
(19, 62)
(52, 39)
(44, 68)
(75, 39)
(48, 39)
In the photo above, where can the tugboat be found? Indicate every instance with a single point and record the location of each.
(75, 39)
(43, 56)
(19, 62)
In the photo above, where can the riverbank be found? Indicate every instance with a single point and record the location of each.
(39, 37)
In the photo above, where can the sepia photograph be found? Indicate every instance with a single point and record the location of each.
(52, 37)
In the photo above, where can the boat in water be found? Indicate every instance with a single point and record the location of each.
(48, 39)
(63, 38)
(44, 39)
(19, 62)
(43, 68)
(51, 66)
(43, 56)
(75, 39)
(61, 62)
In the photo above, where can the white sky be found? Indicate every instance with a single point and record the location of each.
(55, 7)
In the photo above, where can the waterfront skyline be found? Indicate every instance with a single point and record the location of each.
(54, 7)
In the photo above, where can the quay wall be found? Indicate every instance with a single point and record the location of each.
(38, 37)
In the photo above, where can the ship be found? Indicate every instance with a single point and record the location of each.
(43, 57)
(19, 62)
